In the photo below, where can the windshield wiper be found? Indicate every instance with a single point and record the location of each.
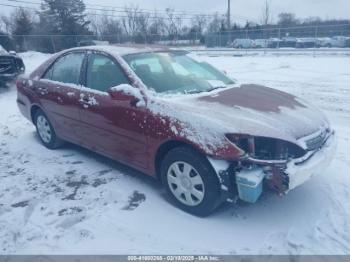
(196, 91)
(215, 88)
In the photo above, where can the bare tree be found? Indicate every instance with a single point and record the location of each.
(174, 23)
(157, 27)
(130, 22)
(6, 24)
(199, 22)
(143, 21)
(170, 23)
(95, 24)
(215, 24)
(287, 19)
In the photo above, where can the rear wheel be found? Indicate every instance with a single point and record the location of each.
(45, 131)
(190, 181)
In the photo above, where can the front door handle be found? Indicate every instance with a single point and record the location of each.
(87, 101)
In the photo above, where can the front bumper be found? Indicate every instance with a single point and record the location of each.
(301, 170)
(280, 175)
(285, 175)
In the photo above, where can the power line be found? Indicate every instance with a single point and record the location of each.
(95, 14)
(187, 12)
(119, 9)
(16, 6)
(122, 9)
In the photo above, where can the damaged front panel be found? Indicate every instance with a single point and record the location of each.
(245, 177)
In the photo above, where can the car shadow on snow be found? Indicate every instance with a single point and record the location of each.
(309, 201)
(299, 201)
(108, 163)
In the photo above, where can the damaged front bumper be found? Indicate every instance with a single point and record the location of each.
(279, 175)
(302, 169)
(285, 175)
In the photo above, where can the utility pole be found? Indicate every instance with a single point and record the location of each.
(228, 14)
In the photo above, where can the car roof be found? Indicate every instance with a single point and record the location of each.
(124, 49)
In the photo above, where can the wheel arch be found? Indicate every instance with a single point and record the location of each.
(164, 148)
(33, 111)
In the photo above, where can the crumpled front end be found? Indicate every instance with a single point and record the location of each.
(10, 67)
(298, 171)
(275, 169)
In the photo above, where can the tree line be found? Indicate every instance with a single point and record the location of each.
(61, 24)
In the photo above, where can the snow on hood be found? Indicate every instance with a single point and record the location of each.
(248, 109)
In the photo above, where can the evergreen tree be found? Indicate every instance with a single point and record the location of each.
(22, 26)
(66, 18)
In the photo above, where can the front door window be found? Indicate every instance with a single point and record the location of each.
(103, 73)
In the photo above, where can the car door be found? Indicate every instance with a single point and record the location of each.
(111, 127)
(58, 91)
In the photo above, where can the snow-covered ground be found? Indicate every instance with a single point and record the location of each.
(71, 201)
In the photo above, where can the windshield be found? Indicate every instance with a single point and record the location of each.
(175, 72)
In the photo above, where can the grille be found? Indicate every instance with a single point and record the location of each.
(316, 142)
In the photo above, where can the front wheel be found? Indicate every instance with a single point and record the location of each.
(46, 132)
(190, 181)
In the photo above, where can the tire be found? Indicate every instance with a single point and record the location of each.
(197, 191)
(46, 131)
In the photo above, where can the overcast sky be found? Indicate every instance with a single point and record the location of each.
(251, 9)
(241, 9)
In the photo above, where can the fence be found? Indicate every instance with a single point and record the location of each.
(55, 43)
(273, 37)
(278, 34)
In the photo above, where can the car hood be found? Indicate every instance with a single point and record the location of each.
(247, 109)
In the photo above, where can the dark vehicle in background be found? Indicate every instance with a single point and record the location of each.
(284, 42)
(11, 66)
(92, 43)
(306, 43)
(288, 42)
(274, 43)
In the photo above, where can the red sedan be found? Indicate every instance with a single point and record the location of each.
(179, 119)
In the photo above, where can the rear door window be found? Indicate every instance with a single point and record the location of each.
(66, 69)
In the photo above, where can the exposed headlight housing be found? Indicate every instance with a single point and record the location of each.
(266, 148)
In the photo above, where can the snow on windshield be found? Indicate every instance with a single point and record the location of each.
(175, 72)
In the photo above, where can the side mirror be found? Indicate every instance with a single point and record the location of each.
(127, 93)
